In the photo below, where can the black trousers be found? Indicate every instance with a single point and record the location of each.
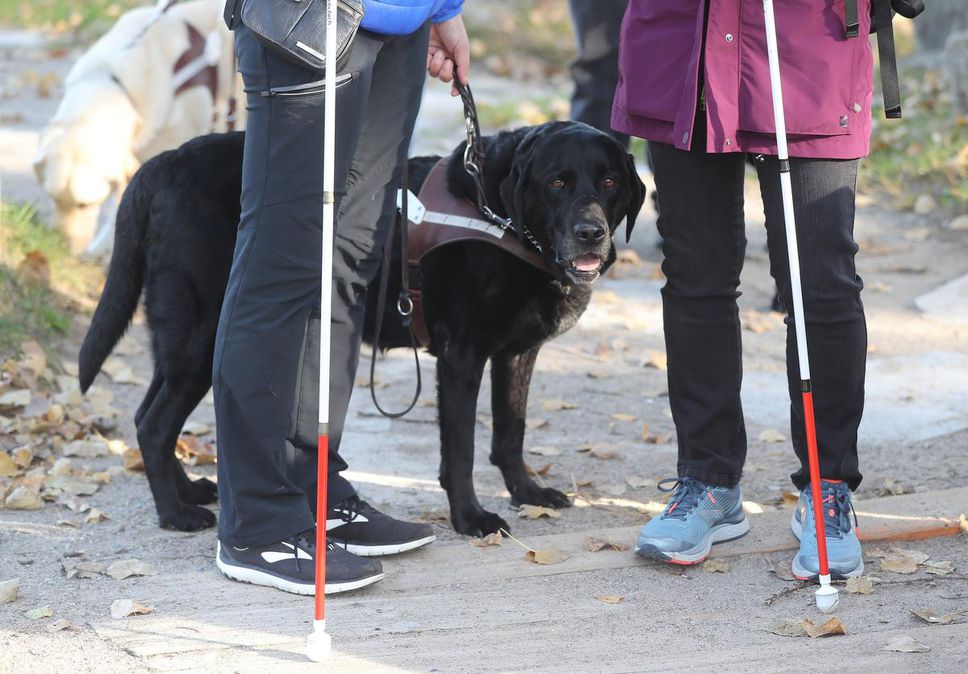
(595, 70)
(266, 371)
(704, 243)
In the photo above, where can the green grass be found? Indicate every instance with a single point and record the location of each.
(926, 152)
(32, 309)
(87, 17)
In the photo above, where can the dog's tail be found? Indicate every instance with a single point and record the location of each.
(124, 283)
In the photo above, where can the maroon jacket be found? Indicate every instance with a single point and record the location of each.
(827, 78)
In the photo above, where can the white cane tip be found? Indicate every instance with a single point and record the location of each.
(827, 599)
(319, 645)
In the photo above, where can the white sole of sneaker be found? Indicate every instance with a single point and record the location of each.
(803, 574)
(720, 534)
(245, 574)
(381, 550)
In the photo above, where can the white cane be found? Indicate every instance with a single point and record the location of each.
(827, 596)
(319, 643)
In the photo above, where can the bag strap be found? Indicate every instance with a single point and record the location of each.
(404, 301)
(888, 59)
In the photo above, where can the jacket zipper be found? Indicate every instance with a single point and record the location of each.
(306, 89)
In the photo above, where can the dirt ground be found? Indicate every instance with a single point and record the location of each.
(454, 607)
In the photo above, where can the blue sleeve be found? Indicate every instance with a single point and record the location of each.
(448, 10)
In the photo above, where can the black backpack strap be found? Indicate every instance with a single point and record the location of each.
(888, 58)
(851, 19)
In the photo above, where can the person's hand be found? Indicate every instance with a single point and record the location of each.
(449, 51)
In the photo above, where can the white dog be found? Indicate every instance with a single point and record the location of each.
(158, 78)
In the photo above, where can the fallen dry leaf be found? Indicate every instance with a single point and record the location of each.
(86, 449)
(15, 398)
(490, 540)
(637, 481)
(121, 373)
(789, 628)
(78, 569)
(928, 616)
(899, 565)
(196, 428)
(610, 598)
(894, 488)
(94, 516)
(38, 613)
(860, 585)
(32, 364)
(538, 472)
(602, 453)
(68, 523)
(73, 504)
(121, 608)
(132, 459)
(599, 544)
(963, 523)
(906, 644)
(434, 516)
(544, 451)
(791, 498)
(549, 556)
(194, 453)
(58, 625)
(771, 435)
(23, 457)
(23, 498)
(9, 589)
(534, 424)
(660, 439)
(8, 467)
(125, 568)
(533, 512)
(618, 416)
(715, 565)
(656, 360)
(938, 568)
(71, 484)
(555, 405)
(833, 627)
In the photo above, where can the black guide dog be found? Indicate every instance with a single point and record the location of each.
(570, 184)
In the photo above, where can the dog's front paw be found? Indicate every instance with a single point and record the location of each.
(198, 492)
(187, 518)
(479, 523)
(540, 496)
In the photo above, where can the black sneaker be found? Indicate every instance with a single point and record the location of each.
(363, 530)
(290, 566)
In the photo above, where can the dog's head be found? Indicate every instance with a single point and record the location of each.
(571, 186)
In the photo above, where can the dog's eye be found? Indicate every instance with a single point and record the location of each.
(609, 183)
(558, 184)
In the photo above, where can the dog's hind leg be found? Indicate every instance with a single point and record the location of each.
(510, 381)
(156, 381)
(157, 434)
(459, 375)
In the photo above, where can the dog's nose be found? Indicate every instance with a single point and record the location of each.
(589, 231)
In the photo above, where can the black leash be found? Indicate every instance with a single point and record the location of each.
(404, 302)
(474, 164)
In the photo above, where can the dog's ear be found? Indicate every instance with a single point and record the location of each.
(513, 187)
(636, 196)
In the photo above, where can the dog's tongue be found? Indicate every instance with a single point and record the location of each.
(587, 263)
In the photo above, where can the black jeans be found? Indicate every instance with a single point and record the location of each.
(704, 242)
(266, 371)
(595, 70)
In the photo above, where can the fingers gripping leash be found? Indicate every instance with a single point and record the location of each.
(319, 643)
(827, 597)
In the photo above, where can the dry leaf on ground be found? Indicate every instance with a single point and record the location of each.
(555, 405)
(192, 427)
(938, 568)
(906, 644)
(38, 613)
(771, 435)
(122, 608)
(121, 373)
(23, 498)
(899, 565)
(860, 585)
(94, 516)
(86, 449)
(132, 459)
(8, 467)
(600, 452)
(544, 451)
(490, 540)
(125, 568)
(831, 628)
(789, 628)
(23, 457)
(538, 472)
(618, 416)
(600, 544)
(534, 424)
(58, 625)
(70, 484)
(533, 512)
(656, 360)
(610, 598)
(893, 488)
(637, 481)
(660, 439)
(963, 523)
(549, 556)
(9, 589)
(15, 398)
(77, 569)
(434, 516)
(194, 453)
(716, 565)
(928, 616)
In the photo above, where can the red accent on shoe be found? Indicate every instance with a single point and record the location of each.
(710, 495)
(830, 481)
(674, 506)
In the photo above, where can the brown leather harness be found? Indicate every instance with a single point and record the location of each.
(449, 220)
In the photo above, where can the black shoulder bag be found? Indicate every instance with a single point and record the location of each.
(296, 29)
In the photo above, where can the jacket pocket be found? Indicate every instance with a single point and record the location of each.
(306, 89)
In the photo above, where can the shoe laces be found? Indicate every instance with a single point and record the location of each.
(687, 492)
(348, 510)
(837, 509)
(306, 541)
